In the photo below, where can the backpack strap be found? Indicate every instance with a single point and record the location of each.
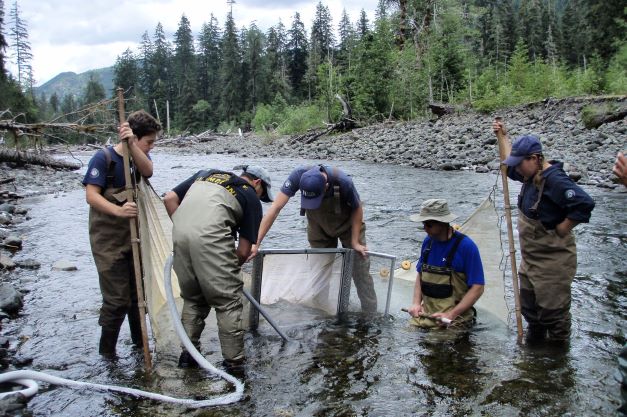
(110, 167)
(451, 254)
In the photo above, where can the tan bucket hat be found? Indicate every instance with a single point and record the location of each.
(434, 209)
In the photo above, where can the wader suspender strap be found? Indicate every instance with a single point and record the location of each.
(451, 253)
(110, 167)
(336, 190)
(533, 210)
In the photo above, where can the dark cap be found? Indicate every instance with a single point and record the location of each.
(312, 186)
(522, 147)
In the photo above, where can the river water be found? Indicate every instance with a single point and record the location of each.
(348, 366)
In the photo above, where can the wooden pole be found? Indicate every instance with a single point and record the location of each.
(510, 232)
(130, 197)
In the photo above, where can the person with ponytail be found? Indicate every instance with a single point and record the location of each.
(550, 205)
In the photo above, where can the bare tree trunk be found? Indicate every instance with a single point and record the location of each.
(10, 155)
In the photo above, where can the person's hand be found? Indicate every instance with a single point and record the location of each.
(128, 210)
(126, 133)
(415, 310)
(253, 252)
(499, 126)
(361, 249)
(620, 168)
(444, 319)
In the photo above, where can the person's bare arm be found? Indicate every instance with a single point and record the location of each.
(243, 250)
(172, 202)
(357, 218)
(280, 200)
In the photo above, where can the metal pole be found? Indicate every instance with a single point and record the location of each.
(265, 314)
(130, 197)
(510, 233)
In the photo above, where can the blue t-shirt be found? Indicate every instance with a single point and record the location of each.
(248, 226)
(97, 170)
(348, 192)
(561, 198)
(466, 260)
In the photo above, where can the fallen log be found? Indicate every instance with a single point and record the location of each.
(11, 155)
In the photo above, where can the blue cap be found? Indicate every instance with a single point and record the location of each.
(522, 147)
(312, 186)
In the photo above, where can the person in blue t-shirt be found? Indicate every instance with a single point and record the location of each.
(109, 226)
(450, 273)
(209, 211)
(334, 212)
(550, 205)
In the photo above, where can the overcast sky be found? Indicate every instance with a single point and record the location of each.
(79, 35)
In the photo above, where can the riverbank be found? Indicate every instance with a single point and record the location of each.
(458, 141)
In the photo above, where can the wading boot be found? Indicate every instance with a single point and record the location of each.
(108, 340)
(134, 323)
(187, 361)
(235, 367)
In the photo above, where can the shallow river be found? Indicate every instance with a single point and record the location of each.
(349, 366)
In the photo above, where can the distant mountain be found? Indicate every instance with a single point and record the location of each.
(72, 83)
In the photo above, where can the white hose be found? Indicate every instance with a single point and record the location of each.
(28, 378)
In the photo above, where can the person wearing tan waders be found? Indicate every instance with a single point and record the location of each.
(450, 273)
(334, 212)
(550, 205)
(109, 227)
(209, 211)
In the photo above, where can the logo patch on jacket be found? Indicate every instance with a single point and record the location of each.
(569, 194)
(94, 172)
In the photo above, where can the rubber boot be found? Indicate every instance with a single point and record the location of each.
(134, 323)
(187, 361)
(108, 340)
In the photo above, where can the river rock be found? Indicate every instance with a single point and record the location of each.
(12, 242)
(10, 298)
(5, 218)
(7, 208)
(64, 265)
(6, 262)
(29, 264)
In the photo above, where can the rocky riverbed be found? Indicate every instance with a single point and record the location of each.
(457, 141)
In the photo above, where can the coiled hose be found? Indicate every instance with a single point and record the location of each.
(28, 378)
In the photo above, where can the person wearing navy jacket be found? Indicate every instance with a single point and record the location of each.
(550, 205)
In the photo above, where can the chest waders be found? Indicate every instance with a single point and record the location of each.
(442, 289)
(207, 266)
(547, 269)
(110, 240)
(332, 221)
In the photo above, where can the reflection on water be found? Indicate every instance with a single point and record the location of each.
(336, 366)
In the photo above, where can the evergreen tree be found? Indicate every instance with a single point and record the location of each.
(576, 44)
(209, 59)
(607, 20)
(347, 41)
(21, 49)
(162, 73)
(297, 57)
(184, 65)
(254, 90)
(276, 62)
(94, 90)
(363, 24)
(145, 71)
(53, 103)
(532, 27)
(126, 73)
(230, 73)
(320, 45)
(3, 45)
